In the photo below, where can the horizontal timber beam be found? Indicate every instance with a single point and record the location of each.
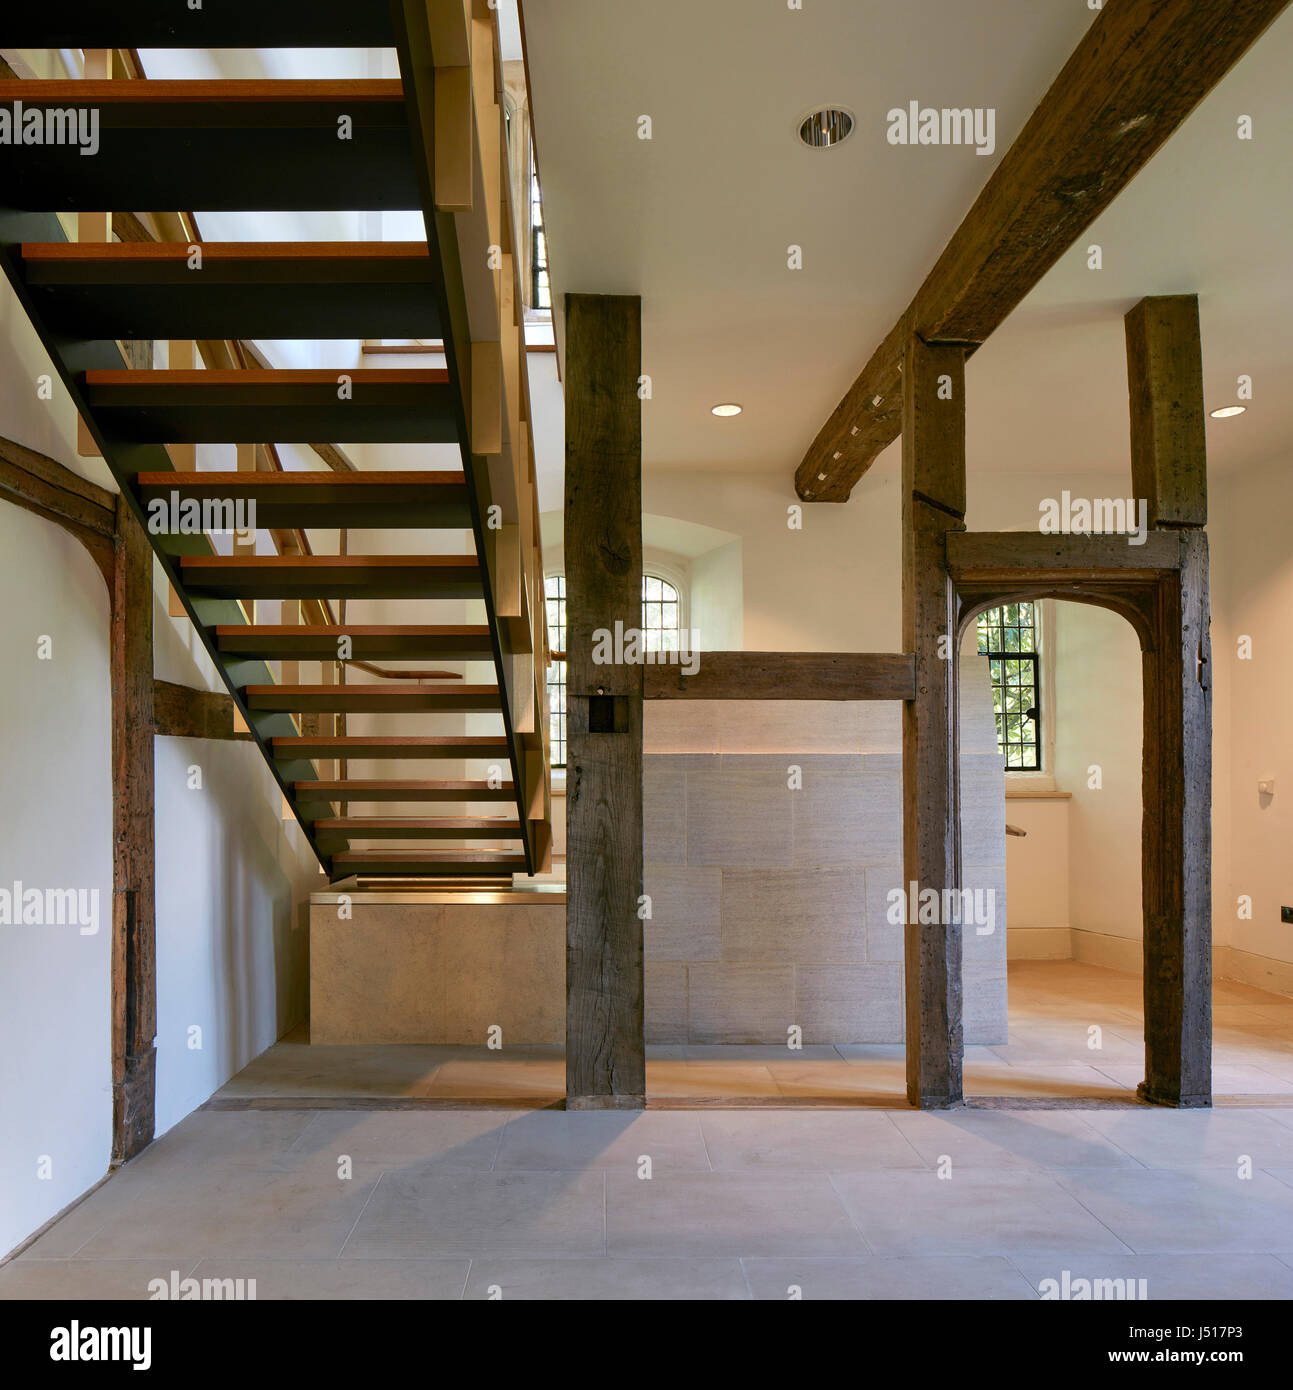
(181, 712)
(1014, 555)
(1142, 67)
(786, 676)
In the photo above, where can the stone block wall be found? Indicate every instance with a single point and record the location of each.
(773, 839)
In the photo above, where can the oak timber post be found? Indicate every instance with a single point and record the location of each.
(1169, 472)
(605, 1037)
(933, 503)
(134, 979)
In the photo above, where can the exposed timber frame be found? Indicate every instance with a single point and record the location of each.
(1142, 67)
(107, 528)
(1161, 588)
(605, 1018)
(179, 711)
(933, 511)
(786, 676)
(134, 922)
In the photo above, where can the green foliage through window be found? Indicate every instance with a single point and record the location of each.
(1008, 638)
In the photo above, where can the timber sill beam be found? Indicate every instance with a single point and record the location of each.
(786, 676)
(1142, 67)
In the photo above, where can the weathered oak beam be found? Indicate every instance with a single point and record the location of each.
(40, 484)
(933, 505)
(1142, 67)
(1169, 468)
(605, 1037)
(1169, 455)
(786, 676)
(182, 712)
(1176, 840)
(1005, 555)
(134, 974)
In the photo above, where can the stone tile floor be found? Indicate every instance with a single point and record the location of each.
(1052, 1054)
(837, 1199)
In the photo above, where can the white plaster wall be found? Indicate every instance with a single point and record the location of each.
(833, 585)
(717, 614)
(233, 879)
(1097, 703)
(1037, 874)
(1253, 591)
(56, 791)
(230, 941)
(56, 794)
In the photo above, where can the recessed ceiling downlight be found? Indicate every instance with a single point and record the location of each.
(1227, 411)
(730, 408)
(831, 125)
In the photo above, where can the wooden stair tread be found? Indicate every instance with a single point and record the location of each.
(184, 144)
(385, 688)
(373, 698)
(384, 746)
(204, 91)
(421, 822)
(367, 641)
(416, 828)
(163, 24)
(383, 406)
(308, 562)
(298, 480)
(409, 863)
(322, 499)
(140, 254)
(242, 291)
(332, 576)
(376, 789)
(162, 380)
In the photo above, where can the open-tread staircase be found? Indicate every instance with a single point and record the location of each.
(273, 146)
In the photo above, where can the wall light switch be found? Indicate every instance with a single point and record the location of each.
(1266, 787)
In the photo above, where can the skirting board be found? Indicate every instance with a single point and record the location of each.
(1114, 952)
(1039, 943)
(1246, 968)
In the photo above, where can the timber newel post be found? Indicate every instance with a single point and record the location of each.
(933, 504)
(605, 1035)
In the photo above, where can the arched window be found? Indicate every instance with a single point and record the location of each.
(1008, 637)
(661, 631)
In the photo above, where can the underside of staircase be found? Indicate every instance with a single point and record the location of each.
(408, 793)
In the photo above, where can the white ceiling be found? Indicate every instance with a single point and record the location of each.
(698, 220)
